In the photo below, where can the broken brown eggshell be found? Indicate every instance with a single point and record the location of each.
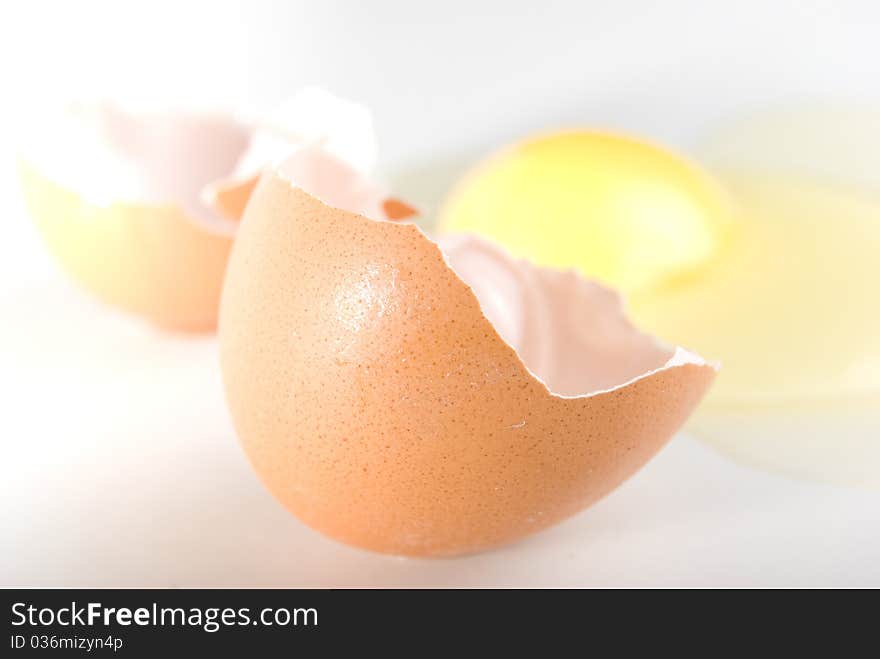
(427, 400)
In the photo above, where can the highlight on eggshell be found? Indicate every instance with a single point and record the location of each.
(141, 207)
(626, 212)
(426, 399)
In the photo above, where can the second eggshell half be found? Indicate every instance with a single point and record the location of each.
(378, 402)
(141, 206)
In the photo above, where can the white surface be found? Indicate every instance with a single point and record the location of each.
(118, 465)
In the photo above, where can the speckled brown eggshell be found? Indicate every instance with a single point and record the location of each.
(380, 406)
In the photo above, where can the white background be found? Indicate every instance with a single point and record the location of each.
(118, 463)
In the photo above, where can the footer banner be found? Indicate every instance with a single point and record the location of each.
(171, 622)
(145, 622)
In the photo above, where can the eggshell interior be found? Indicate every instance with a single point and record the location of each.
(570, 332)
(378, 402)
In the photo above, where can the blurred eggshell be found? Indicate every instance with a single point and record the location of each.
(141, 207)
(229, 198)
(395, 209)
(380, 405)
(154, 261)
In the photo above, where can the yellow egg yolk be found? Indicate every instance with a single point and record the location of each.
(618, 210)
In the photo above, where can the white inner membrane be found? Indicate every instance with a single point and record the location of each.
(570, 332)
